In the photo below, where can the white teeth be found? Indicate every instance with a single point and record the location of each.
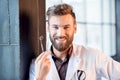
(61, 38)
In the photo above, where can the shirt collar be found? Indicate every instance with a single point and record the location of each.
(69, 52)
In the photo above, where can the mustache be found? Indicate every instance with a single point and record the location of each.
(60, 37)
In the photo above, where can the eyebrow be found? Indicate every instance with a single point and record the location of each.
(54, 25)
(67, 25)
(60, 25)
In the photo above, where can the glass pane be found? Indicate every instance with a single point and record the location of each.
(109, 39)
(4, 33)
(9, 61)
(14, 22)
(94, 36)
(106, 11)
(80, 36)
(112, 11)
(113, 42)
(93, 11)
(4, 22)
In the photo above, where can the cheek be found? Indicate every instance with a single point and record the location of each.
(70, 34)
(52, 33)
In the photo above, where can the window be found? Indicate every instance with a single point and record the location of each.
(95, 23)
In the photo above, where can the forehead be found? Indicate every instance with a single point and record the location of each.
(62, 19)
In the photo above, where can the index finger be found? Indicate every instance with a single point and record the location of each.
(42, 56)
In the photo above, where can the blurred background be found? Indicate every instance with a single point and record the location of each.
(22, 22)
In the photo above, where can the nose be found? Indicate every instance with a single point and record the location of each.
(61, 32)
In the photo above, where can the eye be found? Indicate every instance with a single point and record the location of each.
(55, 27)
(66, 27)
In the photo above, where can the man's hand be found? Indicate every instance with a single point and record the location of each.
(42, 66)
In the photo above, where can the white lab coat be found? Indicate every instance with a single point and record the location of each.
(92, 62)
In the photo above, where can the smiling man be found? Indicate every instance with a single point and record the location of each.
(67, 61)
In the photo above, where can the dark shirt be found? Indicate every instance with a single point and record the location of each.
(60, 64)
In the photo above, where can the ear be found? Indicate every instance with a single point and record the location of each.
(75, 28)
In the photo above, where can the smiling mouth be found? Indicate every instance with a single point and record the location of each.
(60, 39)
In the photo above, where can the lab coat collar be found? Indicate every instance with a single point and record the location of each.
(74, 62)
(53, 74)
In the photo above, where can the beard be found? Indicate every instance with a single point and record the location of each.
(62, 46)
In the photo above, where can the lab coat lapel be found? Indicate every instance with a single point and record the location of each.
(53, 74)
(73, 64)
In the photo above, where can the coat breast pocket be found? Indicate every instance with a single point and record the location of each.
(79, 75)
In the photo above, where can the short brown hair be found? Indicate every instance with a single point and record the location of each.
(61, 9)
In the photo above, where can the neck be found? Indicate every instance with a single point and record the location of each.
(60, 54)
